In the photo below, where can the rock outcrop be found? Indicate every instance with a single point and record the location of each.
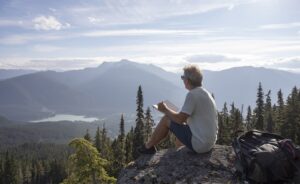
(181, 166)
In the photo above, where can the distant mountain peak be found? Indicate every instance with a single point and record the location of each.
(126, 61)
(11, 73)
(243, 68)
(256, 70)
(122, 62)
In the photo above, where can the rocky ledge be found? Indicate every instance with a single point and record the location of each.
(181, 166)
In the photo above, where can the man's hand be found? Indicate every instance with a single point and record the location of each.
(162, 107)
(178, 117)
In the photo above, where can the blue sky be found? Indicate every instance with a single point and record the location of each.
(215, 34)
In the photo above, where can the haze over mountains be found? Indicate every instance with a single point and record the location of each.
(239, 85)
(6, 74)
(111, 88)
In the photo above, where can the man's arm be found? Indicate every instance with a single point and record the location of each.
(178, 117)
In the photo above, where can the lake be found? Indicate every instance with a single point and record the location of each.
(67, 117)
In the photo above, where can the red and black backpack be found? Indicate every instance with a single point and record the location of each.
(263, 157)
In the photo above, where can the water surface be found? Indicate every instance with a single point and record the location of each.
(67, 117)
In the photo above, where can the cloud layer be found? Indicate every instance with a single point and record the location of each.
(215, 34)
(48, 23)
(211, 58)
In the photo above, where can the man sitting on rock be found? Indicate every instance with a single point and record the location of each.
(196, 125)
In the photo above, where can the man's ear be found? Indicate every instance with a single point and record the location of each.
(189, 82)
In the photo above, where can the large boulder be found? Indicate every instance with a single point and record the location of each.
(182, 166)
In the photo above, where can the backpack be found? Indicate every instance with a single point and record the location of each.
(263, 157)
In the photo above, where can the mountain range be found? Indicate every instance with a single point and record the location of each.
(239, 85)
(111, 88)
(10, 73)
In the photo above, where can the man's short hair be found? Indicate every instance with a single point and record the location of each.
(193, 74)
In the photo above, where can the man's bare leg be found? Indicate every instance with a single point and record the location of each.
(160, 132)
(178, 144)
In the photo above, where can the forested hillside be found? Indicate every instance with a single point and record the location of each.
(41, 163)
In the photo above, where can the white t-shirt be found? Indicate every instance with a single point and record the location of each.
(203, 119)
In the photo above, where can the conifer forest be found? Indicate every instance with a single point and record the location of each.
(99, 158)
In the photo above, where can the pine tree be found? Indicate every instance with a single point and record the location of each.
(129, 146)
(249, 119)
(268, 113)
(114, 167)
(57, 171)
(270, 123)
(1, 171)
(288, 128)
(26, 174)
(225, 137)
(259, 111)
(221, 126)
(87, 167)
(122, 129)
(40, 172)
(292, 115)
(228, 125)
(105, 145)
(20, 174)
(9, 170)
(98, 140)
(236, 119)
(119, 152)
(149, 123)
(33, 172)
(298, 119)
(119, 149)
(139, 133)
(87, 136)
(280, 112)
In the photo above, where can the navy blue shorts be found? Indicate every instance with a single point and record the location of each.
(183, 133)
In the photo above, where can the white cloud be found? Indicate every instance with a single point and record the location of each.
(142, 11)
(170, 54)
(48, 23)
(63, 63)
(172, 63)
(95, 20)
(281, 26)
(291, 64)
(58, 64)
(26, 38)
(211, 58)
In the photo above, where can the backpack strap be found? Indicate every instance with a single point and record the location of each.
(292, 153)
(241, 166)
(239, 145)
(288, 147)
